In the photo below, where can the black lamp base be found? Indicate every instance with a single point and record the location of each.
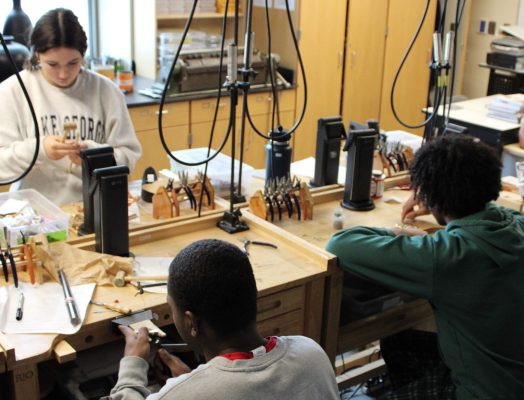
(231, 222)
(365, 205)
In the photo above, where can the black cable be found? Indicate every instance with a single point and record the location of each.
(270, 68)
(245, 86)
(273, 91)
(397, 74)
(163, 99)
(458, 18)
(219, 96)
(304, 80)
(33, 115)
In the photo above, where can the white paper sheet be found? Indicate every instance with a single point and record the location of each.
(153, 266)
(44, 308)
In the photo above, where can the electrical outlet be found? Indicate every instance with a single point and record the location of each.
(483, 26)
(492, 27)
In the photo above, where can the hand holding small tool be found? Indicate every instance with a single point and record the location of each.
(137, 343)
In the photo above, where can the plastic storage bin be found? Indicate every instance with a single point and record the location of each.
(51, 220)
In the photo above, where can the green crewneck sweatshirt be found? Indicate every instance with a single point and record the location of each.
(472, 272)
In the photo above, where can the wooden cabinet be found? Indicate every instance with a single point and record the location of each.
(363, 69)
(373, 55)
(351, 50)
(176, 133)
(322, 30)
(413, 83)
(187, 124)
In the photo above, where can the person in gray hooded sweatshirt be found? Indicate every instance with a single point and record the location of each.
(472, 272)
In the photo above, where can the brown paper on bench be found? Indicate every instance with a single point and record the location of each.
(80, 266)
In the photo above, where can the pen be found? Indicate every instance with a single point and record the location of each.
(20, 307)
(69, 300)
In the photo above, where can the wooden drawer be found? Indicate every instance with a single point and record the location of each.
(146, 117)
(280, 303)
(286, 324)
(361, 332)
(204, 110)
(262, 103)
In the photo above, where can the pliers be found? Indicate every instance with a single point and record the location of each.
(4, 265)
(9, 255)
(247, 242)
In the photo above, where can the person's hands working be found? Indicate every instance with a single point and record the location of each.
(175, 364)
(57, 149)
(412, 208)
(137, 343)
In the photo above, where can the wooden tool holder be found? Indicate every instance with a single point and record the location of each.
(394, 161)
(25, 259)
(168, 198)
(275, 204)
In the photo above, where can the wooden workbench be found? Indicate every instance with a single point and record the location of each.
(318, 231)
(292, 283)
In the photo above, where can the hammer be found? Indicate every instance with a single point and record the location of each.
(121, 279)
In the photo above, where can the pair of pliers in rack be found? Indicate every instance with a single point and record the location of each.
(8, 253)
(4, 265)
(205, 190)
(184, 181)
(27, 251)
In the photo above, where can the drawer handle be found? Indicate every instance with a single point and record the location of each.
(272, 306)
(207, 105)
(163, 112)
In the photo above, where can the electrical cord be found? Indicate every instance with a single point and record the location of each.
(397, 74)
(33, 115)
(219, 96)
(163, 99)
(458, 19)
(304, 80)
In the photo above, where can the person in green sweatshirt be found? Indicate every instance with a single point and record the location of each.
(472, 272)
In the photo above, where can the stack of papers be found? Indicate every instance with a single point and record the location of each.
(507, 108)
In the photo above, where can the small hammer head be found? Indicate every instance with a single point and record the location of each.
(120, 280)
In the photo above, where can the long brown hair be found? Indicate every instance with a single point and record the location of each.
(56, 28)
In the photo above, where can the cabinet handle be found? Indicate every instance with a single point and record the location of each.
(207, 105)
(353, 59)
(164, 112)
(272, 306)
(340, 59)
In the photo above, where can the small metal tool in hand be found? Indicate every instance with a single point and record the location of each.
(247, 242)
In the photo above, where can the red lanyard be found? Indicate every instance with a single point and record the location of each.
(241, 355)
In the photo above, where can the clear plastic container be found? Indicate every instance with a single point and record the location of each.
(50, 219)
(219, 169)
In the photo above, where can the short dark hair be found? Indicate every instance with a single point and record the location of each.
(214, 279)
(57, 28)
(457, 175)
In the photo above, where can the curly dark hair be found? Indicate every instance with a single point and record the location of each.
(214, 279)
(57, 28)
(456, 175)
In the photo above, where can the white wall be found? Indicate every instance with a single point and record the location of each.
(503, 12)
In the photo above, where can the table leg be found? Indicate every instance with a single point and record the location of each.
(24, 382)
